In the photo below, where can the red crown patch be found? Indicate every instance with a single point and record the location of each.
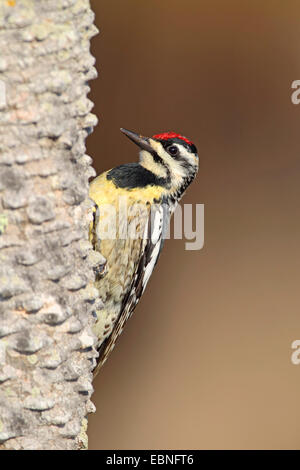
(171, 135)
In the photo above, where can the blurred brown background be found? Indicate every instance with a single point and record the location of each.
(205, 360)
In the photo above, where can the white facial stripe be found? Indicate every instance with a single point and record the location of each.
(177, 170)
(190, 157)
(148, 162)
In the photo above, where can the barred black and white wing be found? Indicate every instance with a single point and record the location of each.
(155, 230)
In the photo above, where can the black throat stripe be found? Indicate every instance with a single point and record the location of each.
(134, 175)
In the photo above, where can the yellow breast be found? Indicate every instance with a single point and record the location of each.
(103, 191)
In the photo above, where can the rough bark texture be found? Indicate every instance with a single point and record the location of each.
(47, 296)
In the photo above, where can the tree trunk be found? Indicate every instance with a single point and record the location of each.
(47, 298)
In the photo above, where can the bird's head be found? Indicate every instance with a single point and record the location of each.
(169, 156)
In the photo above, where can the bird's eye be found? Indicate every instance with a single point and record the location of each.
(173, 150)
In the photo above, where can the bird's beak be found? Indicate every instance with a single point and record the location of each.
(138, 139)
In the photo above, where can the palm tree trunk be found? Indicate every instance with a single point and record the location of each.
(47, 296)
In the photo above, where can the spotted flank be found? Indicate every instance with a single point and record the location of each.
(151, 245)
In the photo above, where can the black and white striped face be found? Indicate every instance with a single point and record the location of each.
(170, 156)
(177, 155)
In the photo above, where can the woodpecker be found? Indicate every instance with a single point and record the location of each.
(133, 205)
